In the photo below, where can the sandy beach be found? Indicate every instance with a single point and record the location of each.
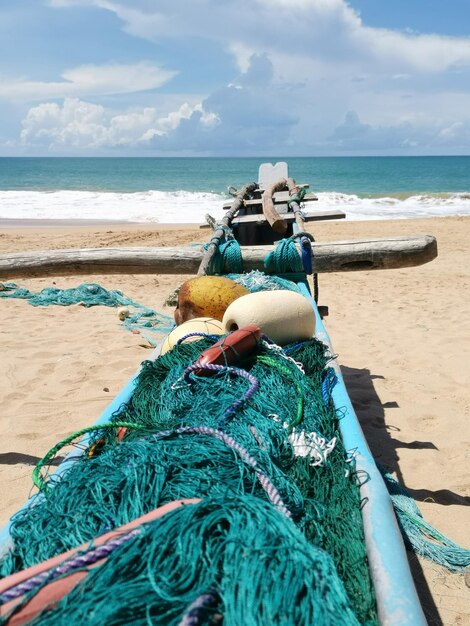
(402, 337)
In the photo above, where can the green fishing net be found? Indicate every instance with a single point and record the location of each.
(277, 537)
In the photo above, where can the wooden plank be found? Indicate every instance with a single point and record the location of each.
(327, 214)
(367, 254)
(303, 185)
(279, 197)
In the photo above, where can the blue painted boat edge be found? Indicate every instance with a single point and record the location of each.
(397, 600)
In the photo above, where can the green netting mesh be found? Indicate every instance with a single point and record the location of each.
(277, 537)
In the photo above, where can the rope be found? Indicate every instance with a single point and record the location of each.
(79, 561)
(39, 480)
(227, 259)
(235, 406)
(297, 196)
(199, 611)
(329, 381)
(285, 257)
(267, 484)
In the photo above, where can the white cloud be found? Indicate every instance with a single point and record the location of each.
(328, 30)
(89, 80)
(354, 136)
(304, 64)
(87, 126)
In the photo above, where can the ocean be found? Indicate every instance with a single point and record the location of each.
(183, 190)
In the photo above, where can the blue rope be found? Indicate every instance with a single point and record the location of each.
(329, 381)
(307, 258)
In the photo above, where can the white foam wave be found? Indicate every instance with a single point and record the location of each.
(186, 207)
(390, 207)
(148, 206)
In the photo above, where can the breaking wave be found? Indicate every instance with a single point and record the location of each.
(183, 207)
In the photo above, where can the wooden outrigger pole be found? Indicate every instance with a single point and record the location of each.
(339, 256)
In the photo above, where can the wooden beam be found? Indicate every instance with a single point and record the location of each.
(328, 214)
(365, 254)
(303, 185)
(279, 197)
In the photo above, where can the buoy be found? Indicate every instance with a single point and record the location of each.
(284, 316)
(206, 296)
(123, 312)
(230, 349)
(207, 325)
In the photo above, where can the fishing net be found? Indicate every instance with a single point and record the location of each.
(91, 294)
(277, 536)
(258, 281)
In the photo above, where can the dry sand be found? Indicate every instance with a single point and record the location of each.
(402, 337)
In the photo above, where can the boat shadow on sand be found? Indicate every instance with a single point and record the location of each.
(384, 444)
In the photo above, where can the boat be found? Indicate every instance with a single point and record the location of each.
(256, 531)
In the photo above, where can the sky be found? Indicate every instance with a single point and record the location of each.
(234, 77)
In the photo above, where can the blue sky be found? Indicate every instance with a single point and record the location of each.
(234, 77)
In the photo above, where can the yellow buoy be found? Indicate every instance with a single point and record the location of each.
(207, 325)
(284, 316)
(206, 296)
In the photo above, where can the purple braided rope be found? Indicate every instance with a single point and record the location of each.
(196, 611)
(197, 334)
(235, 406)
(68, 566)
(265, 481)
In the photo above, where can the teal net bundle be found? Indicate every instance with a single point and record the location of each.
(258, 281)
(277, 537)
(92, 294)
(419, 535)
